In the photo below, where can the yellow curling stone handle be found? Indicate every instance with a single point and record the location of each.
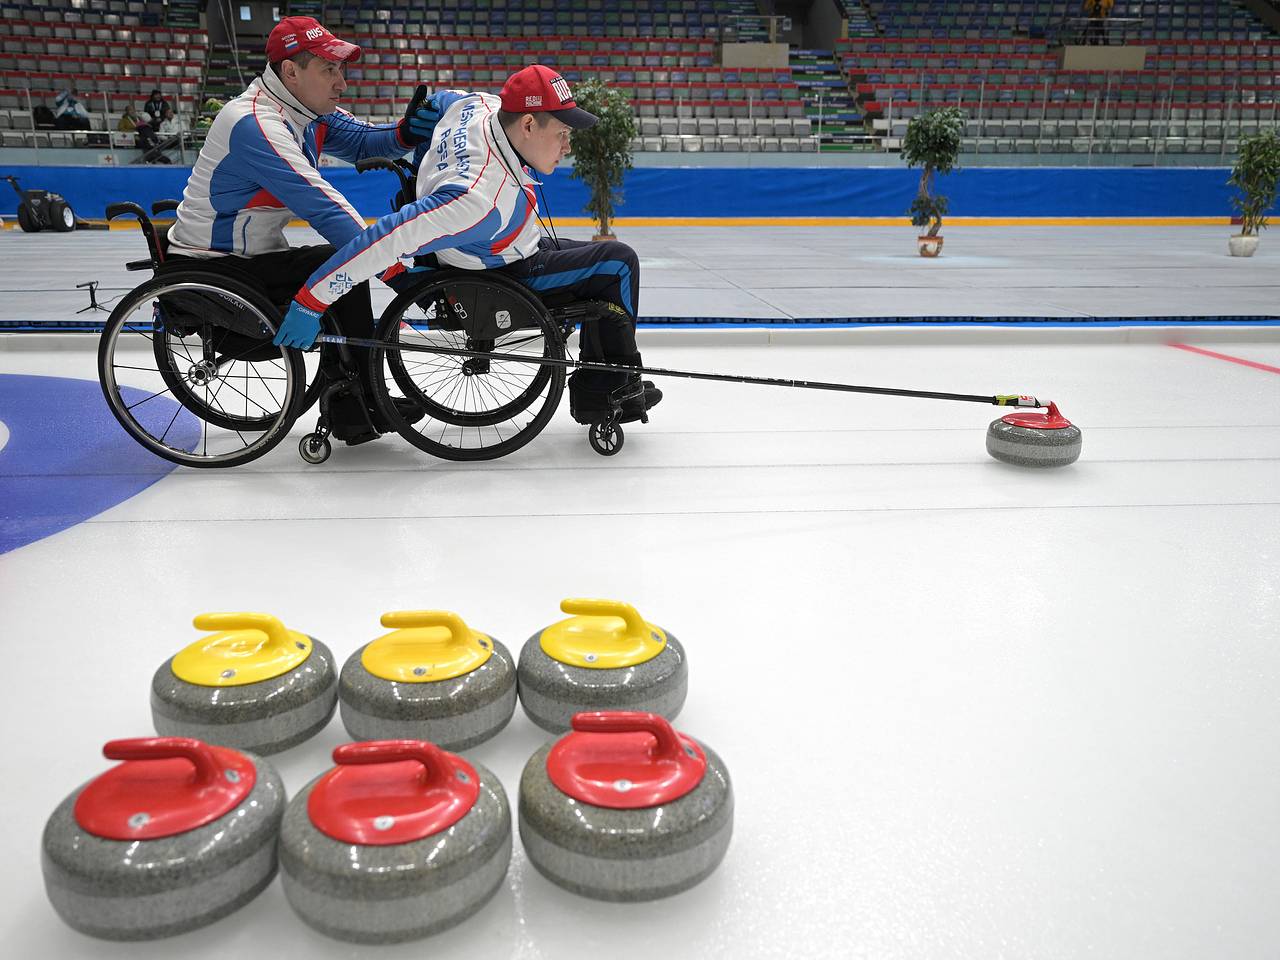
(247, 648)
(603, 635)
(428, 645)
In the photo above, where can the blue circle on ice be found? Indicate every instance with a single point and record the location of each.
(67, 458)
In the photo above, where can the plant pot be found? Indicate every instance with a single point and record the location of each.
(603, 236)
(1241, 245)
(929, 246)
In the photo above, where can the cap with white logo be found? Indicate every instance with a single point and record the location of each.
(539, 89)
(294, 35)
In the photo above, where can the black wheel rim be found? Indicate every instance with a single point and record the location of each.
(243, 409)
(488, 413)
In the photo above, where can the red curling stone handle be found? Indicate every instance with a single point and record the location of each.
(632, 721)
(436, 768)
(208, 769)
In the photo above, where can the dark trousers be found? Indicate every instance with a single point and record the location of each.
(584, 270)
(279, 276)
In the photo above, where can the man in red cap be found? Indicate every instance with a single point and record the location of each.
(257, 171)
(477, 209)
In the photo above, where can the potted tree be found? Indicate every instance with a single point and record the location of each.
(602, 153)
(1255, 175)
(932, 142)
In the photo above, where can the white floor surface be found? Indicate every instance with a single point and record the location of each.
(969, 710)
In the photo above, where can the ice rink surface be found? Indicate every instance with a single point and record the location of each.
(969, 710)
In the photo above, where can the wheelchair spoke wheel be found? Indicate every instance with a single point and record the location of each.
(190, 390)
(475, 409)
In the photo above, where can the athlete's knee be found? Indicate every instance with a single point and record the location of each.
(623, 252)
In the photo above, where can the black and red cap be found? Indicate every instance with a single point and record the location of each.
(294, 35)
(539, 89)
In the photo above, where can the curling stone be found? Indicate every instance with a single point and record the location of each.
(606, 657)
(180, 834)
(1034, 439)
(433, 679)
(254, 685)
(625, 808)
(399, 841)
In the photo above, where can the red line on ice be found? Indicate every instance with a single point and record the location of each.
(1222, 356)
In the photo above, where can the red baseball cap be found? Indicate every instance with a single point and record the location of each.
(539, 89)
(294, 35)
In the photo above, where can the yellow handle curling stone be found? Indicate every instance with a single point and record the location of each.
(253, 684)
(606, 656)
(433, 678)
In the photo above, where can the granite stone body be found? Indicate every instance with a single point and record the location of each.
(146, 889)
(388, 894)
(625, 855)
(454, 714)
(552, 692)
(265, 717)
(1033, 447)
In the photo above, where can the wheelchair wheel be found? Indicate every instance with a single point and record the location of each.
(191, 393)
(475, 409)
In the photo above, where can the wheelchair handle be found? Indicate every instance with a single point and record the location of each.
(148, 230)
(374, 163)
(120, 209)
(382, 163)
(164, 206)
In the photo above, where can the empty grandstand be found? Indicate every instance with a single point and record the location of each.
(1184, 80)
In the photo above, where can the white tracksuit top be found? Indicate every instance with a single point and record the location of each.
(476, 207)
(257, 170)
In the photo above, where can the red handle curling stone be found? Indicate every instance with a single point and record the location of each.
(166, 786)
(386, 792)
(625, 760)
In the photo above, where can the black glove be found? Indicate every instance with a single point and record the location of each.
(420, 118)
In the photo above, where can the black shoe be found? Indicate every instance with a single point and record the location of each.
(652, 395)
(410, 410)
(631, 410)
(354, 434)
(365, 437)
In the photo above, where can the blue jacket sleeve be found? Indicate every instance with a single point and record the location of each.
(350, 139)
(267, 153)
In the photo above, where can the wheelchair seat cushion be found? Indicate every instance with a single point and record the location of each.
(483, 311)
(185, 311)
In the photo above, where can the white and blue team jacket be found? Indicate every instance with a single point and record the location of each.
(257, 171)
(476, 207)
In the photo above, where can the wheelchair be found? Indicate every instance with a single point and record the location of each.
(187, 365)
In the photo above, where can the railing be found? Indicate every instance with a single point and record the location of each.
(1093, 30)
(120, 144)
(1101, 126)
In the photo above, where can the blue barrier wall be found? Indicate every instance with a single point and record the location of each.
(748, 192)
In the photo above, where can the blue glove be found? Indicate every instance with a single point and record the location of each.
(420, 118)
(300, 328)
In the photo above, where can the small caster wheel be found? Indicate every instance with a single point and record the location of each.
(314, 448)
(606, 437)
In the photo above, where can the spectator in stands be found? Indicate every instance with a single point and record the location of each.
(154, 108)
(476, 210)
(170, 125)
(1097, 11)
(257, 171)
(129, 120)
(144, 135)
(68, 112)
